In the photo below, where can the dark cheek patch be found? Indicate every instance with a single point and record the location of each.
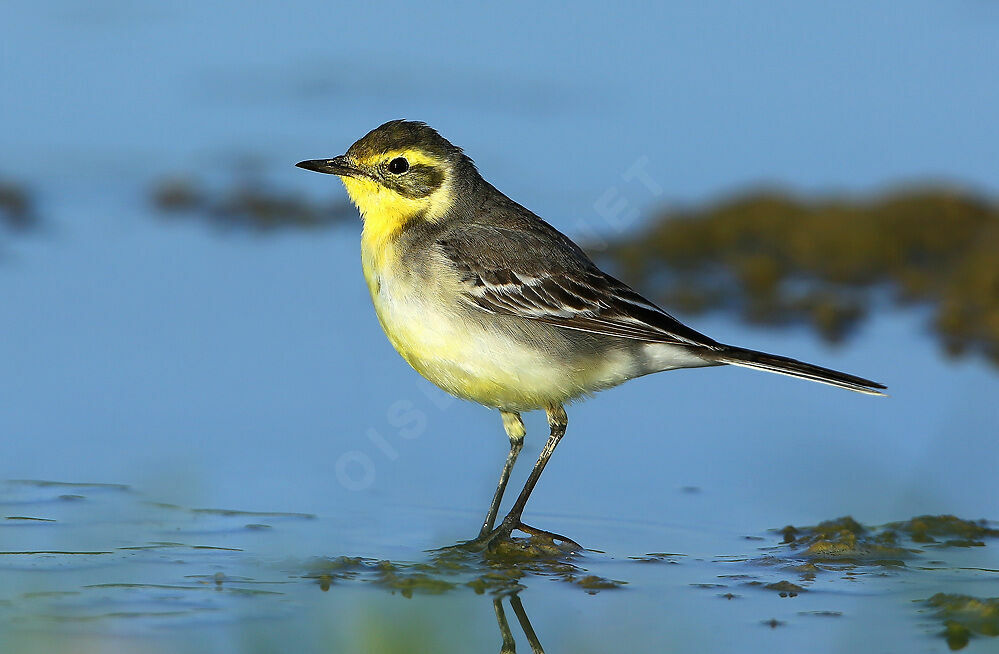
(419, 182)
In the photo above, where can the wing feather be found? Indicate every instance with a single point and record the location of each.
(539, 274)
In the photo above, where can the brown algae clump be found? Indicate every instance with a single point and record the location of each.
(844, 540)
(945, 530)
(500, 571)
(407, 580)
(964, 616)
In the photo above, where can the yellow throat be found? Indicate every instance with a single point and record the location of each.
(386, 212)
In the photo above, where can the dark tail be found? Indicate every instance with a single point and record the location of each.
(738, 356)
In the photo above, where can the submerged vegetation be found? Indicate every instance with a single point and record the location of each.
(845, 546)
(775, 258)
(498, 572)
(945, 531)
(846, 541)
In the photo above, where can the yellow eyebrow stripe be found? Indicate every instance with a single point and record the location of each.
(412, 156)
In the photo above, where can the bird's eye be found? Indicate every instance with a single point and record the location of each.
(398, 166)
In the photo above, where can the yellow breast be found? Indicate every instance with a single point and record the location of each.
(414, 314)
(469, 354)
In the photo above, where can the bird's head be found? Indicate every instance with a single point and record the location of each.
(400, 171)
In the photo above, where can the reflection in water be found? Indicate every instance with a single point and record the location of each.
(500, 574)
(248, 204)
(509, 646)
(964, 616)
(778, 259)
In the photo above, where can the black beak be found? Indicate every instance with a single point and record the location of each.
(335, 166)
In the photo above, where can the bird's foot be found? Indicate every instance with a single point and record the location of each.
(556, 540)
(501, 538)
(489, 540)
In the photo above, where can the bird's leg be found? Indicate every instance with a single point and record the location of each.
(525, 624)
(557, 421)
(509, 645)
(514, 427)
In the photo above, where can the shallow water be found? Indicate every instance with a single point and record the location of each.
(243, 424)
(108, 568)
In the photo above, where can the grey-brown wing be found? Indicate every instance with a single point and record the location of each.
(539, 274)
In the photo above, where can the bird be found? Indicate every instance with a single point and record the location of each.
(492, 304)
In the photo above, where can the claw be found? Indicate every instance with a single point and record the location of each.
(565, 541)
